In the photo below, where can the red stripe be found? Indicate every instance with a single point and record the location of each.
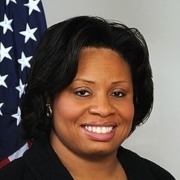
(4, 162)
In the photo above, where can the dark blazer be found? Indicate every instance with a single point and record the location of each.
(41, 163)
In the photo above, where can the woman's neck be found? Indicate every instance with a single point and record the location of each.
(96, 170)
(89, 167)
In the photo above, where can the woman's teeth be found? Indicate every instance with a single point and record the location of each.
(99, 130)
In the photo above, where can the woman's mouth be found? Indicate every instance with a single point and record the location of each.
(99, 130)
(101, 133)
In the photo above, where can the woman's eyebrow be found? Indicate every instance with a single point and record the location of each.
(92, 82)
(120, 82)
(85, 80)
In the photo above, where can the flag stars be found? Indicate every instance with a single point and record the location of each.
(1, 104)
(29, 33)
(33, 5)
(24, 61)
(17, 116)
(20, 88)
(4, 52)
(6, 24)
(7, 1)
(2, 80)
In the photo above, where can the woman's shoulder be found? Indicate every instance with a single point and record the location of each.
(137, 166)
(39, 162)
(13, 170)
(158, 171)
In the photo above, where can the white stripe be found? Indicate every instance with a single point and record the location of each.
(18, 153)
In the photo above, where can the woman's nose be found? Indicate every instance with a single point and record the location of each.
(101, 106)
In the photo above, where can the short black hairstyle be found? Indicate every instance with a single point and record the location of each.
(55, 65)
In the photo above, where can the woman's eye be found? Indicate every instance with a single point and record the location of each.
(83, 93)
(118, 94)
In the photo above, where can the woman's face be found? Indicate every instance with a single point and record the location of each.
(94, 114)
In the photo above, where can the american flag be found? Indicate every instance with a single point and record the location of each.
(21, 24)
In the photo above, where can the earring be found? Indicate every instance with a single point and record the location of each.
(48, 110)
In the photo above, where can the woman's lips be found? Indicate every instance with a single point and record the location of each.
(99, 132)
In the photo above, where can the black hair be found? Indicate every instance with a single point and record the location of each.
(55, 64)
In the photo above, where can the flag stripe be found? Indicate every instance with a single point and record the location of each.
(22, 22)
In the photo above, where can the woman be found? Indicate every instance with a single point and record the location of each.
(90, 86)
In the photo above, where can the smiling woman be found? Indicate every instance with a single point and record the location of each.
(101, 104)
(90, 86)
